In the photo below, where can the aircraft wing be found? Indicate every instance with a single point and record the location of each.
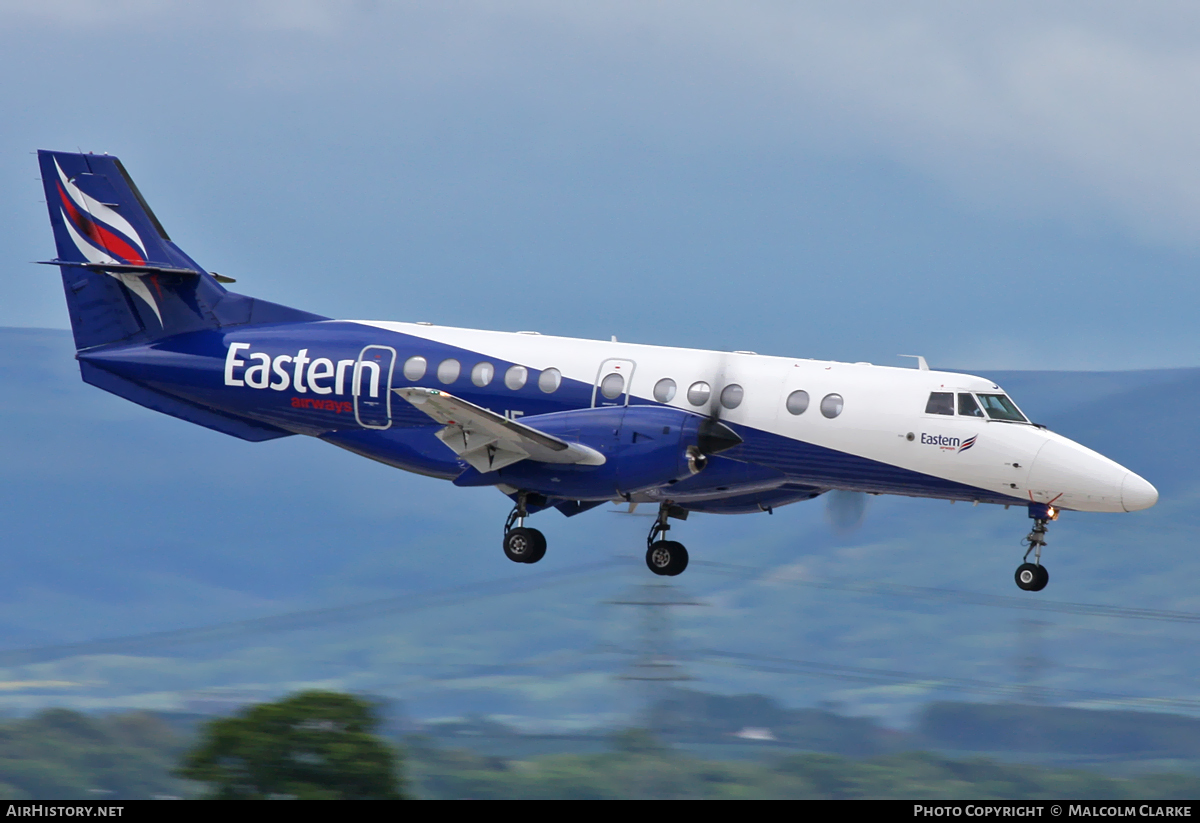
(489, 441)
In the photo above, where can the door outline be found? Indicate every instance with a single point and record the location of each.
(623, 366)
(356, 387)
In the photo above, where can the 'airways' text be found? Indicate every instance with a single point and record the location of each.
(338, 406)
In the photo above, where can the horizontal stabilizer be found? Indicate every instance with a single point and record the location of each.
(131, 268)
(488, 441)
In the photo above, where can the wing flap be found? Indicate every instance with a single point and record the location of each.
(488, 441)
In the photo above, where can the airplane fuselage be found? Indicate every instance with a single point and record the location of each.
(332, 380)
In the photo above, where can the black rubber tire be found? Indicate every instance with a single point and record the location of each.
(1043, 579)
(539, 547)
(667, 557)
(1029, 577)
(522, 545)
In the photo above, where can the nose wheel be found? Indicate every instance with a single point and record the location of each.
(665, 557)
(522, 544)
(1033, 577)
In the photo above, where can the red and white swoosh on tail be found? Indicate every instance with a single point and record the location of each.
(100, 213)
(93, 254)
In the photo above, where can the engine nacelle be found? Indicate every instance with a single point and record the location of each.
(645, 447)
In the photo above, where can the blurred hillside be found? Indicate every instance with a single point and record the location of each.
(62, 754)
(154, 564)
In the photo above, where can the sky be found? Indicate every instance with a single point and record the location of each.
(993, 187)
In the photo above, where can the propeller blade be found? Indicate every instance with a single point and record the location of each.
(845, 511)
(715, 437)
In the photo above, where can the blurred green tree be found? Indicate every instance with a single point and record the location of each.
(312, 745)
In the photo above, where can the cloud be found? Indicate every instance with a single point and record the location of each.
(1085, 113)
(1080, 113)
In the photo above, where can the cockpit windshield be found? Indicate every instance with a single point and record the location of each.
(999, 407)
(967, 406)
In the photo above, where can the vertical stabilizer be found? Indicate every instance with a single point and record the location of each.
(125, 281)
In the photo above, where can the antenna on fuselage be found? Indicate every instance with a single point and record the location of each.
(921, 364)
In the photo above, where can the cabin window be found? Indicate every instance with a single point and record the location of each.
(832, 405)
(515, 377)
(414, 368)
(999, 407)
(612, 385)
(731, 396)
(549, 380)
(797, 402)
(483, 373)
(448, 370)
(664, 390)
(967, 405)
(940, 402)
(698, 393)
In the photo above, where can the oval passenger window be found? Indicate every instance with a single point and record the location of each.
(483, 373)
(414, 368)
(664, 390)
(448, 370)
(797, 402)
(831, 405)
(698, 393)
(515, 377)
(612, 385)
(731, 396)
(549, 380)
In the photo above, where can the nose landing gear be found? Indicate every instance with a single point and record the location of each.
(666, 557)
(1033, 577)
(521, 544)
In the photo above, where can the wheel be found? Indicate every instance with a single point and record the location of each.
(538, 550)
(666, 557)
(522, 545)
(1043, 579)
(1032, 578)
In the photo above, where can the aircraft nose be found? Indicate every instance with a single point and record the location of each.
(1137, 494)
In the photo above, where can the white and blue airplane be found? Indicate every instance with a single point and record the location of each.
(551, 422)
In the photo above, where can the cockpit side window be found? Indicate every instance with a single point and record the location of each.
(999, 407)
(940, 402)
(967, 406)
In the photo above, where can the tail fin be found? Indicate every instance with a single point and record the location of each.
(124, 278)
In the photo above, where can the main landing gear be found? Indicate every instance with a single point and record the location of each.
(521, 544)
(666, 557)
(526, 545)
(1033, 577)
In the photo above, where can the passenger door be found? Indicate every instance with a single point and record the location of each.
(614, 381)
(372, 387)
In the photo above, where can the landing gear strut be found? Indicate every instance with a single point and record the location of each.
(521, 544)
(666, 557)
(1033, 577)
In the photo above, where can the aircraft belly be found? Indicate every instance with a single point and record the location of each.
(414, 450)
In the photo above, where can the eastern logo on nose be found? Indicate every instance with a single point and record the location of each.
(948, 444)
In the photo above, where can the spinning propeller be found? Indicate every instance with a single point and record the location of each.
(714, 436)
(845, 511)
